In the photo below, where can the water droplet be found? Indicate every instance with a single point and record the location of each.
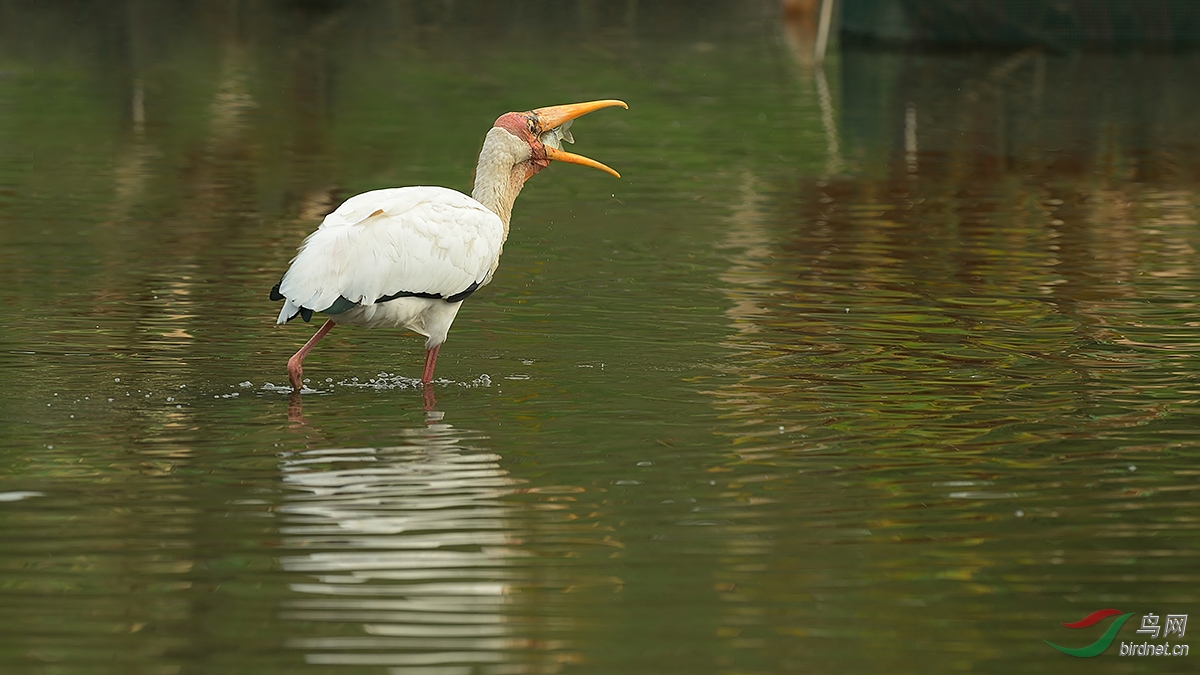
(116, 379)
(1019, 513)
(645, 463)
(1132, 467)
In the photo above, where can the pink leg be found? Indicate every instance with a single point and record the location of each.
(430, 360)
(296, 363)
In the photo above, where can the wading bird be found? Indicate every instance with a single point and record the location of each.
(408, 257)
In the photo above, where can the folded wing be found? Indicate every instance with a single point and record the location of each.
(379, 245)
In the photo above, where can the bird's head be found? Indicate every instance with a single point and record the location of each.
(544, 130)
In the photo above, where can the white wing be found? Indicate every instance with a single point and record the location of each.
(399, 240)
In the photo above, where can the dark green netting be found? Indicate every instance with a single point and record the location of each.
(1053, 24)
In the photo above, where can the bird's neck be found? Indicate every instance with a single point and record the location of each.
(499, 175)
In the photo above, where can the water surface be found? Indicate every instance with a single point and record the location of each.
(885, 367)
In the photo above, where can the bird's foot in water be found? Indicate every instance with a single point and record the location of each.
(296, 363)
(295, 370)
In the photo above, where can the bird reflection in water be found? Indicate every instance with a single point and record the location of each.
(296, 405)
(409, 554)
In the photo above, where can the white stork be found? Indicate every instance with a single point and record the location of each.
(409, 256)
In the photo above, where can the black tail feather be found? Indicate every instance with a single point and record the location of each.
(306, 313)
(463, 295)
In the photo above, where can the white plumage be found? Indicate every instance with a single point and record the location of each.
(429, 240)
(408, 257)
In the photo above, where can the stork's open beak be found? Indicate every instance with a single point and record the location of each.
(553, 117)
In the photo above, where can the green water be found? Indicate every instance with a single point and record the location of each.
(888, 368)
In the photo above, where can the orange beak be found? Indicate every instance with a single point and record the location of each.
(556, 116)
